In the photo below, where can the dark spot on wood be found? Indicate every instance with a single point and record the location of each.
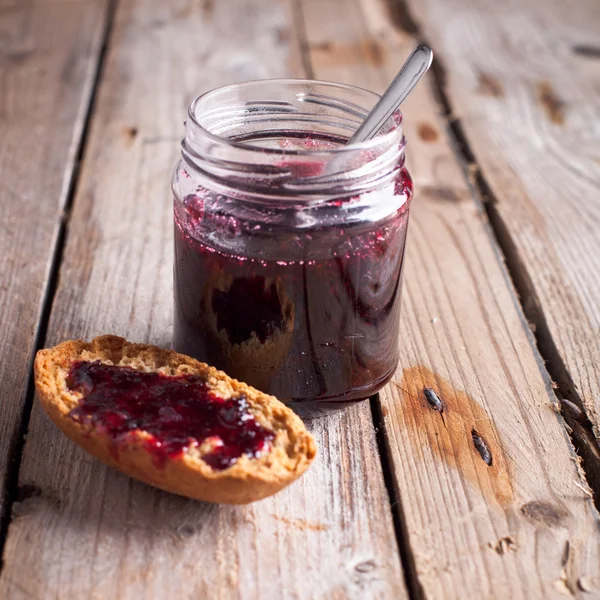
(439, 193)
(402, 18)
(208, 8)
(587, 51)
(24, 492)
(385, 411)
(543, 512)
(374, 52)
(504, 545)
(566, 553)
(427, 132)
(481, 447)
(433, 400)
(157, 24)
(19, 56)
(321, 46)
(131, 133)
(69, 68)
(487, 85)
(365, 566)
(186, 531)
(362, 573)
(551, 103)
(282, 35)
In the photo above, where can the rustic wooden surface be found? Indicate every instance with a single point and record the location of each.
(44, 94)
(527, 95)
(487, 493)
(503, 526)
(98, 533)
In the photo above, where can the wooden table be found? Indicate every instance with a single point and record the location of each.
(490, 498)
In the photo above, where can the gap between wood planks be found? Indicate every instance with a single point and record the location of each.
(409, 568)
(16, 452)
(578, 424)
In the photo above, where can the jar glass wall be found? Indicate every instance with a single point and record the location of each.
(289, 246)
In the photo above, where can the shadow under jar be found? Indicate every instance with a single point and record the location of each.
(288, 245)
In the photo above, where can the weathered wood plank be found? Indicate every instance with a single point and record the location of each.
(48, 60)
(524, 525)
(527, 94)
(98, 534)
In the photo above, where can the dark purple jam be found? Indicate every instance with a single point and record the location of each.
(178, 412)
(308, 314)
(237, 314)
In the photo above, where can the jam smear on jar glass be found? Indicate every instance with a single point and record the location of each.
(178, 412)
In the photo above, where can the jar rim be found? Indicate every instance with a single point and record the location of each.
(377, 141)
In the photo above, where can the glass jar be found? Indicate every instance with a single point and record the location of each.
(289, 245)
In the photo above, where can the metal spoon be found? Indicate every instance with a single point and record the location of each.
(409, 75)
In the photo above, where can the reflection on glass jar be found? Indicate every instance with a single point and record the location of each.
(289, 245)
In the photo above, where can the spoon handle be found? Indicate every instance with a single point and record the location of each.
(413, 69)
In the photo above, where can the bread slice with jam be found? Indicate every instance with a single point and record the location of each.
(171, 421)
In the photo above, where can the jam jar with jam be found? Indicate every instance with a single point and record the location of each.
(289, 245)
